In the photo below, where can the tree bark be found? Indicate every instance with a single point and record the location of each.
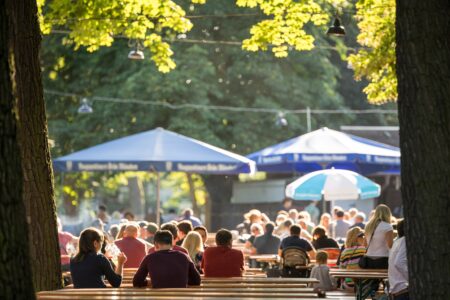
(15, 280)
(423, 71)
(36, 164)
(191, 185)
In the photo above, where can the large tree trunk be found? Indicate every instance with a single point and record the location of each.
(423, 70)
(36, 163)
(15, 280)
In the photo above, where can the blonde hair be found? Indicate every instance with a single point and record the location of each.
(321, 257)
(352, 237)
(193, 244)
(382, 214)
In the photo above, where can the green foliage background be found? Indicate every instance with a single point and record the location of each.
(209, 74)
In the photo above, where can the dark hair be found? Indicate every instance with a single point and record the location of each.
(86, 242)
(152, 228)
(401, 228)
(130, 214)
(201, 228)
(288, 223)
(185, 227)
(270, 226)
(339, 214)
(102, 207)
(223, 237)
(142, 224)
(171, 228)
(164, 237)
(320, 231)
(295, 229)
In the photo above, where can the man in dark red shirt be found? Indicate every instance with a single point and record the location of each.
(223, 261)
(134, 249)
(167, 268)
(174, 231)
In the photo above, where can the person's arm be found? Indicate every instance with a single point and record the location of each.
(311, 250)
(140, 278)
(113, 278)
(242, 263)
(121, 259)
(389, 236)
(193, 275)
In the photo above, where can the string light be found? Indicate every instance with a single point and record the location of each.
(222, 107)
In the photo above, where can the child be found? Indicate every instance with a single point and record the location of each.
(322, 273)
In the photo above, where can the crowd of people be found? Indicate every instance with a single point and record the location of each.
(177, 253)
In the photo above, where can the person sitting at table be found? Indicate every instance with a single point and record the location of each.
(359, 220)
(66, 242)
(321, 240)
(325, 222)
(89, 266)
(294, 240)
(339, 227)
(203, 233)
(174, 231)
(184, 227)
(167, 268)
(267, 243)
(398, 266)
(133, 247)
(222, 260)
(194, 245)
(256, 231)
(354, 249)
(322, 273)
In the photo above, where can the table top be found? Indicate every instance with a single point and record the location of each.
(360, 273)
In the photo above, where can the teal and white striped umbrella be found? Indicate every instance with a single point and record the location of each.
(332, 185)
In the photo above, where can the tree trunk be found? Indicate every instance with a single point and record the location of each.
(191, 185)
(136, 196)
(34, 149)
(423, 71)
(15, 280)
(220, 191)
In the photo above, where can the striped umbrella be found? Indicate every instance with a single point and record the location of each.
(332, 185)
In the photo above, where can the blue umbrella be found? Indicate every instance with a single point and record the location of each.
(155, 150)
(326, 148)
(331, 185)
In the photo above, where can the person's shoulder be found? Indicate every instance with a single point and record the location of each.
(385, 226)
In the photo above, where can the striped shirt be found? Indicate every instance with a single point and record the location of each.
(349, 260)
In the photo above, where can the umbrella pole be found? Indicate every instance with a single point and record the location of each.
(158, 199)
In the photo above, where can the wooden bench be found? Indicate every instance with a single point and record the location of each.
(177, 293)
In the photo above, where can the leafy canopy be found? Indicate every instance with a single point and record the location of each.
(96, 23)
(155, 23)
(376, 61)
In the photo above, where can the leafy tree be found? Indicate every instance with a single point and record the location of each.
(95, 23)
(376, 61)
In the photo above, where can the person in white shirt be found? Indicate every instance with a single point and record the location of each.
(398, 266)
(379, 237)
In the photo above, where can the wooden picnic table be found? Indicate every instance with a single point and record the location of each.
(142, 293)
(358, 275)
(274, 258)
